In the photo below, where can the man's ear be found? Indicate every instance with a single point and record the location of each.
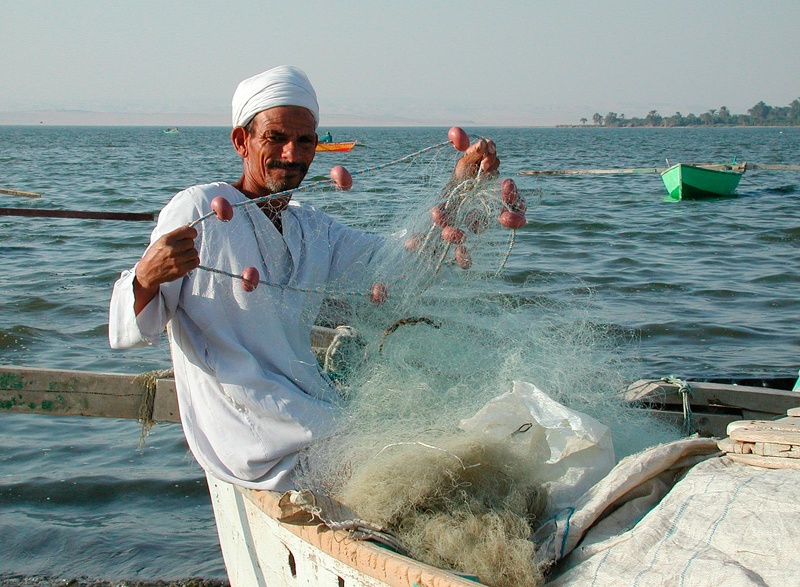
(239, 140)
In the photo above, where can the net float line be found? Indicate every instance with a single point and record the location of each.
(250, 281)
(342, 178)
(455, 196)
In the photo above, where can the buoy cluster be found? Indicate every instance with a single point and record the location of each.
(463, 212)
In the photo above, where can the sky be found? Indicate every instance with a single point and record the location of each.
(401, 63)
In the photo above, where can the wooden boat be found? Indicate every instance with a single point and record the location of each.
(341, 147)
(685, 181)
(262, 546)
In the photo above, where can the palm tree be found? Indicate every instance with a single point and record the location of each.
(584, 120)
(653, 118)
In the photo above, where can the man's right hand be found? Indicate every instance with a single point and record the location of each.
(169, 258)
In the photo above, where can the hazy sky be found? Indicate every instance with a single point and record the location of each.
(488, 62)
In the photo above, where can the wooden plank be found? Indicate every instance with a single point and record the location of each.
(770, 449)
(321, 337)
(27, 390)
(757, 399)
(766, 462)
(750, 434)
(60, 392)
(786, 424)
(165, 407)
(767, 449)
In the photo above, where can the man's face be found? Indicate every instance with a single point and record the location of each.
(279, 149)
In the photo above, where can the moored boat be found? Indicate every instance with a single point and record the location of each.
(267, 542)
(685, 181)
(339, 147)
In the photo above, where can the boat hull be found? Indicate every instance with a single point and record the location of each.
(259, 550)
(687, 182)
(342, 147)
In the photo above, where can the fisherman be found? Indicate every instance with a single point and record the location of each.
(326, 138)
(250, 391)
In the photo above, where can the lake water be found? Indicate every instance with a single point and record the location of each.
(696, 288)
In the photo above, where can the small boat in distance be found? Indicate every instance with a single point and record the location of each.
(341, 147)
(685, 181)
(171, 131)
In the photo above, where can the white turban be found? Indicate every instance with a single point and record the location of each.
(284, 85)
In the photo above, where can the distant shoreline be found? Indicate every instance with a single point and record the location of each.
(392, 127)
(680, 127)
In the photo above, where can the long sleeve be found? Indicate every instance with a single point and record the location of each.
(126, 329)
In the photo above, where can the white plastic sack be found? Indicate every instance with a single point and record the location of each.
(578, 449)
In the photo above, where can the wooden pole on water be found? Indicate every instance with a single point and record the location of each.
(39, 213)
(741, 167)
(756, 166)
(589, 171)
(11, 192)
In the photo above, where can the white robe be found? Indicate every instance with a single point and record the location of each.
(250, 391)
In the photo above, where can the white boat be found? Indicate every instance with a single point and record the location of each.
(267, 542)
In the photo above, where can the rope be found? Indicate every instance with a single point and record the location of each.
(323, 182)
(149, 382)
(342, 332)
(406, 322)
(287, 287)
(684, 390)
(511, 242)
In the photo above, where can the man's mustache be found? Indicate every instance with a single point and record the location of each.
(278, 164)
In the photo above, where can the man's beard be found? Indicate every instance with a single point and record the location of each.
(276, 186)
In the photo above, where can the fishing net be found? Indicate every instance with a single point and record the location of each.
(435, 328)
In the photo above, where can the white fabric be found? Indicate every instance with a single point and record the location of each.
(250, 390)
(663, 518)
(285, 85)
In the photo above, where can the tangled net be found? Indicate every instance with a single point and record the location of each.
(463, 503)
(436, 336)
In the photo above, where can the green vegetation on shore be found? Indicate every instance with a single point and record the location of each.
(759, 115)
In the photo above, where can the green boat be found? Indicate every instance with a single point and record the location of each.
(688, 182)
